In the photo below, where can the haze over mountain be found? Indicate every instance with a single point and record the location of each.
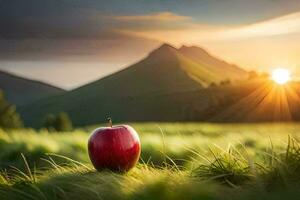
(21, 91)
(159, 87)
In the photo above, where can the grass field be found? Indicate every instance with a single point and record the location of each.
(178, 161)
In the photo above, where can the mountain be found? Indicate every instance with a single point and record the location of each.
(21, 91)
(220, 68)
(161, 87)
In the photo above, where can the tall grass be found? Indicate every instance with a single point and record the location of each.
(225, 175)
(180, 161)
(226, 166)
(177, 139)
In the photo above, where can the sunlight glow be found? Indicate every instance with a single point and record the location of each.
(281, 76)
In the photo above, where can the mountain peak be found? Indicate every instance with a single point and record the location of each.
(166, 45)
(163, 49)
(193, 49)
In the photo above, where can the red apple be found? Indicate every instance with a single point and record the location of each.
(116, 148)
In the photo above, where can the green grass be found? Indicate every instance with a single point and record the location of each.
(179, 161)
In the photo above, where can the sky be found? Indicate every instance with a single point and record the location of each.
(71, 42)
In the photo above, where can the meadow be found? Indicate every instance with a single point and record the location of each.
(178, 161)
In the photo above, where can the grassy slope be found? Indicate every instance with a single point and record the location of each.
(251, 169)
(159, 87)
(21, 91)
(220, 68)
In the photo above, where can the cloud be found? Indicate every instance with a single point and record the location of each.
(193, 32)
(119, 48)
(160, 16)
(283, 25)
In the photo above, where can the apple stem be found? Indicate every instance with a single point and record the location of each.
(109, 122)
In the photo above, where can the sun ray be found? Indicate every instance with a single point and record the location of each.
(270, 101)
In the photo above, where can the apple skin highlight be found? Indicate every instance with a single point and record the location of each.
(116, 148)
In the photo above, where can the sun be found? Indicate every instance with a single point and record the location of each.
(281, 76)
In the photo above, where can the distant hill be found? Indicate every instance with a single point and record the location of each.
(161, 87)
(21, 91)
